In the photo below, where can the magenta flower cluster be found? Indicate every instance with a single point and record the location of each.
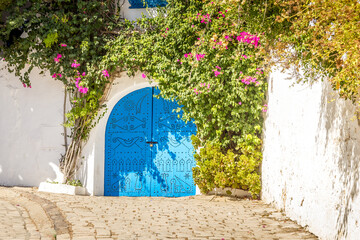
(204, 18)
(199, 56)
(248, 38)
(248, 80)
(186, 55)
(75, 64)
(55, 75)
(216, 72)
(80, 88)
(57, 59)
(105, 73)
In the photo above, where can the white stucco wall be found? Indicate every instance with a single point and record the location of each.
(311, 157)
(31, 140)
(132, 13)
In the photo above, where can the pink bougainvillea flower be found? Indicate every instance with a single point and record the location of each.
(226, 37)
(199, 56)
(240, 103)
(56, 59)
(59, 56)
(216, 73)
(78, 79)
(75, 64)
(63, 45)
(54, 75)
(218, 67)
(29, 86)
(143, 75)
(24, 85)
(208, 86)
(85, 90)
(105, 73)
(185, 55)
(83, 74)
(59, 75)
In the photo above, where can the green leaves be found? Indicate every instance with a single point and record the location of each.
(203, 66)
(217, 169)
(51, 39)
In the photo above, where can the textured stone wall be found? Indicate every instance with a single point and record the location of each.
(311, 157)
(30, 127)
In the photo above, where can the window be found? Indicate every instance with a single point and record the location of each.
(149, 3)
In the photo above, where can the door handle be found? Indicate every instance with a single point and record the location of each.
(152, 143)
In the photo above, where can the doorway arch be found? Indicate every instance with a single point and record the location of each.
(148, 150)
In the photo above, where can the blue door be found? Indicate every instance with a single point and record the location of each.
(148, 150)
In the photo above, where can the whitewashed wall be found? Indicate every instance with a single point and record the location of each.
(31, 140)
(311, 157)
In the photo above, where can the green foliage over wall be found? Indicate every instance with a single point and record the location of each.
(212, 62)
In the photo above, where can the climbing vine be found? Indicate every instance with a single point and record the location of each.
(325, 38)
(66, 39)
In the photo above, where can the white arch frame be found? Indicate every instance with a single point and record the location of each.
(95, 148)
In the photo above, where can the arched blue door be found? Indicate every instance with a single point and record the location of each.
(148, 150)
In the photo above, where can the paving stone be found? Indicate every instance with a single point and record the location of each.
(198, 217)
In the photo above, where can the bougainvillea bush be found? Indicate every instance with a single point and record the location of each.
(211, 61)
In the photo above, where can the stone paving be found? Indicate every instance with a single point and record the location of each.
(89, 217)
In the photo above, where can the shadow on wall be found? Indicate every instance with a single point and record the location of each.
(341, 116)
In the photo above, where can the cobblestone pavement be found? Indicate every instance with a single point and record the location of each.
(28, 214)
